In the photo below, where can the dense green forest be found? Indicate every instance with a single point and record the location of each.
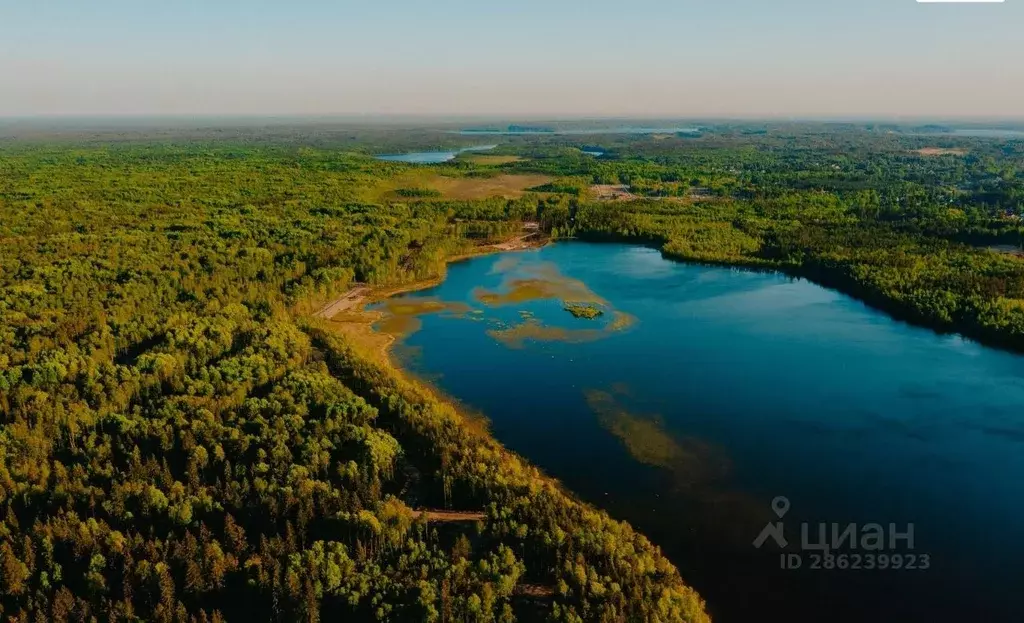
(180, 440)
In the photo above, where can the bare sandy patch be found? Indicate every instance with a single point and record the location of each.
(611, 192)
(350, 300)
(450, 516)
(528, 241)
(940, 151)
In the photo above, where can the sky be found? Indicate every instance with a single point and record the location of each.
(653, 58)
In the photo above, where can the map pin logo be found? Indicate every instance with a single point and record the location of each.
(781, 506)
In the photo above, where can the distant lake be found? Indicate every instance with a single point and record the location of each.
(431, 157)
(703, 393)
(620, 130)
(989, 133)
(596, 154)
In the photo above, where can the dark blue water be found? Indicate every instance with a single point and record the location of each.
(731, 388)
(431, 157)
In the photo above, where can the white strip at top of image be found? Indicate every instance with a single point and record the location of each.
(959, 1)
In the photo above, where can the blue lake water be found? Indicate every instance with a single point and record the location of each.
(704, 393)
(431, 157)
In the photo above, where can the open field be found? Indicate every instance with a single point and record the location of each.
(940, 151)
(427, 182)
(488, 160)
(507, 186)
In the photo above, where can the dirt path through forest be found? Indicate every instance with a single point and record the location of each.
(351, 299)
(516, 244)
(449, 516)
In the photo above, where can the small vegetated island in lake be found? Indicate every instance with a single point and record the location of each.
(184, 438)
(584, 310)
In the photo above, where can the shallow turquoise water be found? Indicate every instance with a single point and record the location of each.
(760, 386)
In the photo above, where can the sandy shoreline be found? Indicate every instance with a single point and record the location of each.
(358, 296)
(348, 316)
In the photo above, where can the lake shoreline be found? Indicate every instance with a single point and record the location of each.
(380, 348)
(508, 415)
(355, 325)
(838, 282)
(813, 274)
(355, 322)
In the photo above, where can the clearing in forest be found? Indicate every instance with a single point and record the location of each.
(491, 159)
(941, 151)
(611, 192)
(429, 184)
(506, 186)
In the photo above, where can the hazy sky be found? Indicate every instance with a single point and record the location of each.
(512, 57)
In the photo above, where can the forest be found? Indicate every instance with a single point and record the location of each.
(181, 440)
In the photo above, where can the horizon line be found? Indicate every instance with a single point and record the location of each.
(553, 117)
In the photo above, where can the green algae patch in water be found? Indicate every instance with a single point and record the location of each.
(519, 291)
(505, 264)
(620, 321)
(644, 438)
(418, 307)
(531, 329)
(516, 336)
(691, 461)
(399, 326)
(544, 282)
(402, 316)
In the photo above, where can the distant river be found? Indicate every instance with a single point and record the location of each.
(701, 394)
(431, 157)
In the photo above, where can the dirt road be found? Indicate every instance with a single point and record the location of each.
(516, 243)
(449, 516)
(346, 301)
